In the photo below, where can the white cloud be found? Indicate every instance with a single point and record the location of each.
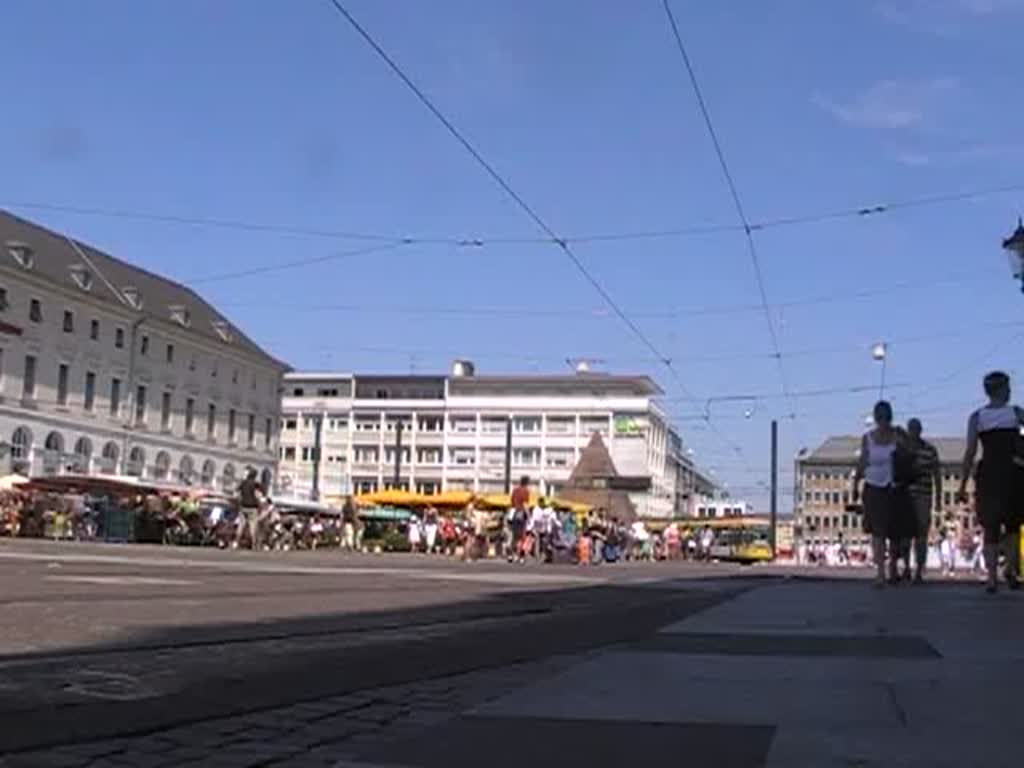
(914, 159)
(943, 17)
(892, 104)
(967, 154)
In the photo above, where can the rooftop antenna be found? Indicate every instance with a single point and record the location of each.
(583, 364)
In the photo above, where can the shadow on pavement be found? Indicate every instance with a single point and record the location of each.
(155, 679)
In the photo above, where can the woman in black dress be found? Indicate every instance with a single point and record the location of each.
(999, 480)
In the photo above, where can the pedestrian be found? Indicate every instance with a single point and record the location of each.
(842, 553)
(925, 485)
(876, 467)
(348, 525)
(535, 529)
(476, 542)
(999, 479)
(977, 553)
(707, 540)
(449, 534)
(430, 524)
(250, 501)
(947, 552)
(672, 541)
(520, 517)
(415, 534)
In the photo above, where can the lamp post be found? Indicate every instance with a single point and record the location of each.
(880, 353)
(1014, 247)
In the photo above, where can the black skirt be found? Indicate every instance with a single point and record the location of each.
(878, 503)
(1000, 496)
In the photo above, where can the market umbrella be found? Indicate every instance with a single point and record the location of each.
(10, 482)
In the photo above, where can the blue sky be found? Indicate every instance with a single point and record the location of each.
(275, 112)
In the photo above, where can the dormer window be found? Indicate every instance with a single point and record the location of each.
(223, 330)
(82, 276)
(132, 296)
(21, 253)
(180, 315)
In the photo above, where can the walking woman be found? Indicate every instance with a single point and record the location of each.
(875, 466)
(999, 480)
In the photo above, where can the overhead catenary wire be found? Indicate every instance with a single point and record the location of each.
(533, 215)
(597, 312)
(481, 240)
(284, 266)
(755, 258)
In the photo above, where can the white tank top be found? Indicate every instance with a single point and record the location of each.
(879, 468)
(1001, 417)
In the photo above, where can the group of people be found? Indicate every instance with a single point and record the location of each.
(901, 476)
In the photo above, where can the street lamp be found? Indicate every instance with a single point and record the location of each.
(1014, 247)
(879, 354)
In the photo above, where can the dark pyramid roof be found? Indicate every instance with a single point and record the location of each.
(595, 462)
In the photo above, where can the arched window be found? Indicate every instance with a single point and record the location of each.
(21, 450)
(110, 455)
(54, 442)
(162, 465)
(209, 472)
(53, 455)
(228, 478)
(186, 469)
(83, 454)
(136, 462)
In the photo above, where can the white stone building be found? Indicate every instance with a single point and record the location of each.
(107, 368)
(454, 433)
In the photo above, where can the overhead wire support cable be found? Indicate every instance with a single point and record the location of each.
(734, 192)
(556, 239)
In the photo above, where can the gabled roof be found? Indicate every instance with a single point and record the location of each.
(62, 260)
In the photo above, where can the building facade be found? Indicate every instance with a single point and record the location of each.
(108, 369)
(719, 508)
(449, 433)
(823, 504)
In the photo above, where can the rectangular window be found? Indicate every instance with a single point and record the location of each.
(3, 299)
(115, 397)
(35, 311)
(28, 381)
(250, 429)
(165, 411)
(90, 391)
(170, 353)
(119, 338)
(140, 405)
(62, 384)
(144, 348)
(528, 424)
(190, 415)
(289, 453)
(94, 330)
(69, 321)
(211, 422)
(231, 425)
(268, 433)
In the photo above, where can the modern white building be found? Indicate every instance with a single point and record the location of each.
(454, 428)
(107, 368)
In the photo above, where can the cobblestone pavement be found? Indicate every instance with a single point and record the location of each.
(328, 732)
